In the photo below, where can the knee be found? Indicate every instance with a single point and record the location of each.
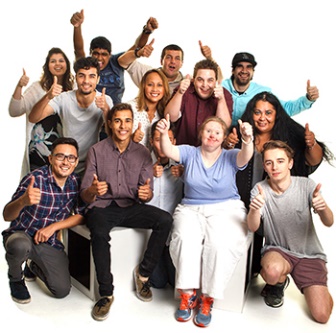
(271, 274)
(61, 291)
(321, 315)
(18, 246)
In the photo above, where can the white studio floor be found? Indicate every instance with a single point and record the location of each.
(74, 312)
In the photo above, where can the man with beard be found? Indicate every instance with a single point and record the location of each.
(81, 110)
(242, 88)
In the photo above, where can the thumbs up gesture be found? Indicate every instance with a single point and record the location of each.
(164, 124)
(24, 80)
(55, 89)
(312, 92)
(138, 134)
(101, 101)
(246, 131)
(147, 50)
(77, 19)
(145, 192)
(184, 85)
(309, 137)
(157, 168)
(232, 139)
(32, 195)
(318, 202)
(259, 200)
(205, 50)
(98, 188)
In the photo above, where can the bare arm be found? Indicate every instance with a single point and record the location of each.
(170, 150)
(246, 151)
(142, 39)
(253, 216)
(222, 108)
(321, 207)
(173, 107)
(76, 20)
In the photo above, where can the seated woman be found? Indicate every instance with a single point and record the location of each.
(149, 104)
(271, 122)
(209, 233)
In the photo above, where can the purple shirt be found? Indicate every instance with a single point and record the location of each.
(194, 110)
(123, 172)
(56, 204)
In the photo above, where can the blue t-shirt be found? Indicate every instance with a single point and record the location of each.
(112, 78)
(209, 185)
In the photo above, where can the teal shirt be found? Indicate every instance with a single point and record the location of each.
(240, 100)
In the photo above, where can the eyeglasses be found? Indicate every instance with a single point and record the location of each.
(97, 54)
(62, 157)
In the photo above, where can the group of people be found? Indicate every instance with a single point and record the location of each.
(200, 160)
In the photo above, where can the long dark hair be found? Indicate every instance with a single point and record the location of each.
(47, 78)
(286, 129)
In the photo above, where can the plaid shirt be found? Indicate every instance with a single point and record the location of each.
(56, 204)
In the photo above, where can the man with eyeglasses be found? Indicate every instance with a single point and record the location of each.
(81, 110)
(45, 202)
(111, 73)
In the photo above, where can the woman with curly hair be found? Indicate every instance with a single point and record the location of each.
(40, 136)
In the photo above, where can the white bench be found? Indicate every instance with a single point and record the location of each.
(127, 248)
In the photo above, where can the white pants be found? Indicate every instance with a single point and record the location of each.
(207, 243)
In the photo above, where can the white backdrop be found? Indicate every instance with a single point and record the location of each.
(292, 41)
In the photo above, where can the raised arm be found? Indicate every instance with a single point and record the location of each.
(222, 108)
(170, 150)
(173, 107)
(314, 152)
(207, 53)
(131, 55)
(247, 148)
(76, 20)
(14, 107)
(148, 28)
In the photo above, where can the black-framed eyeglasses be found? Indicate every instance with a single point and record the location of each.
(62, 157)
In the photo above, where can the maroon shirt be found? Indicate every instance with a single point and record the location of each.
(194, 110)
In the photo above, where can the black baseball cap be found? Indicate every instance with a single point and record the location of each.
(243, 56)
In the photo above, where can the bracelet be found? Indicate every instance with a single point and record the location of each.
(310, 148)
(146, 31)
(136, 52)
(247, 143)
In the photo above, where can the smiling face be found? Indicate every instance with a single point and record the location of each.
(62, 169)
(87, 80)
(205, 83)
(264, 115)
(242, 75)
(171, 64)
(121, 126)
(212, 135)
(154, 89)
(57, 64)
(102, 55)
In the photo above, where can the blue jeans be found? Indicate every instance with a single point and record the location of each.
(100, 221)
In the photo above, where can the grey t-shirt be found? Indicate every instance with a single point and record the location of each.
(81, 124)
(287, 219)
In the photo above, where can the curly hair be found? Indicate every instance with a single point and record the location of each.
(47, 78)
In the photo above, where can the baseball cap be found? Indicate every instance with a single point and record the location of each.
(243, 56)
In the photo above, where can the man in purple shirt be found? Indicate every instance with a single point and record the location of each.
(46, 201)
(118, 180)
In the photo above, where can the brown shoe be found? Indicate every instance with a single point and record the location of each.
(102, 308)
(142, 289)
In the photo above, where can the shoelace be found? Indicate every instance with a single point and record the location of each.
(205, 306)
(145, 287)
(185, 301)
(102, 302)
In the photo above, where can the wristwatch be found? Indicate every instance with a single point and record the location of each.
(146, 30)
(136, 52)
